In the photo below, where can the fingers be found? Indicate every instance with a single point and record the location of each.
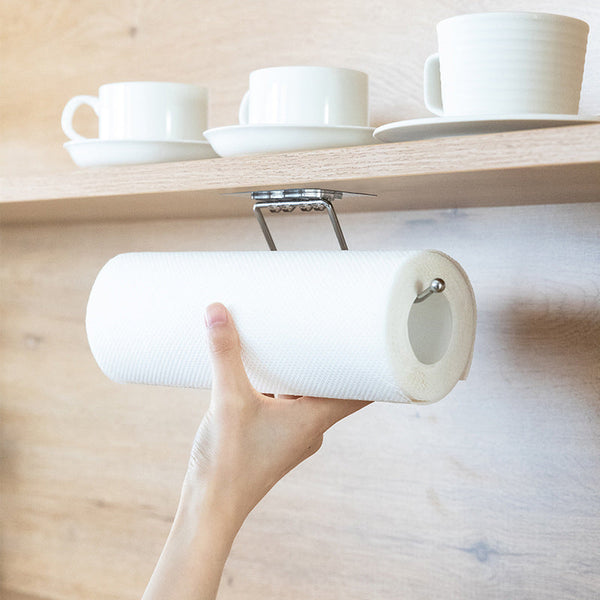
(229, 373)
(332, 410)
(225, 349)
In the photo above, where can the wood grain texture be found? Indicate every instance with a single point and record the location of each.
(12, 595)
(541, 166)
(492, 493)
(52, 51)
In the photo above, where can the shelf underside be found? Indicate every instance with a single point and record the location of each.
(545, 166)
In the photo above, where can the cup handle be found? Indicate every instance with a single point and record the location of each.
(69, 110)
(243, 112)
(432, 85)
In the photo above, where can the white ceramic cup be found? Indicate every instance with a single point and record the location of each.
(506, 64)
(306, 96)
(144, 110)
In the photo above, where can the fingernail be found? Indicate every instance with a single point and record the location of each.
(215, 314)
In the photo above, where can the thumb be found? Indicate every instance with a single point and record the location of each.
(225, 350)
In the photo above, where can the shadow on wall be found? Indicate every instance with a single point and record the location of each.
(558, 340)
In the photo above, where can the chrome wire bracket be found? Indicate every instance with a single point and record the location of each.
(306, 199)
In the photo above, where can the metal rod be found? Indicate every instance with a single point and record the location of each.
(264, 226)
(336, 224)
(435, 287)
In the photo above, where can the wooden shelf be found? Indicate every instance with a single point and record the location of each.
(543, 166)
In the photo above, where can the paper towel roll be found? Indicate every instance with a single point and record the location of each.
(328, 324)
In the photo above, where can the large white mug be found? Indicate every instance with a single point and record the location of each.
(144, 110)
(306, 96)
(506, 63)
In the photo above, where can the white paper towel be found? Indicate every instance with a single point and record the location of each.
(328, 324)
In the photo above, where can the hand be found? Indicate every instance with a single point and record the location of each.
(247, 441)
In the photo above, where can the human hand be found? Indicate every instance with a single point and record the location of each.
(247, 441)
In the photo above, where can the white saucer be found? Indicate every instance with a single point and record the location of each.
(422, 129)
(104, 153)
(235, 140)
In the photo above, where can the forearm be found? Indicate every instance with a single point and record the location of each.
(194, 555)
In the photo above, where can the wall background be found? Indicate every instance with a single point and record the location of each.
(491, 493)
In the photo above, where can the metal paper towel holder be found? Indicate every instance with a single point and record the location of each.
(307, 199)
(317, 199)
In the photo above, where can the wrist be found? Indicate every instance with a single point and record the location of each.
(202, 506)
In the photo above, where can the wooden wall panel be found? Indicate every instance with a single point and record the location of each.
(51, 51)
(492, 493)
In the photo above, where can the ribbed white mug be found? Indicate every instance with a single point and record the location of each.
(144, 110)
(306, 96)
(506, 63)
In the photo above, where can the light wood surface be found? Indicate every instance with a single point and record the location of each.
(528, 167)
(12, 595)
(491, 493)
(52, 51)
